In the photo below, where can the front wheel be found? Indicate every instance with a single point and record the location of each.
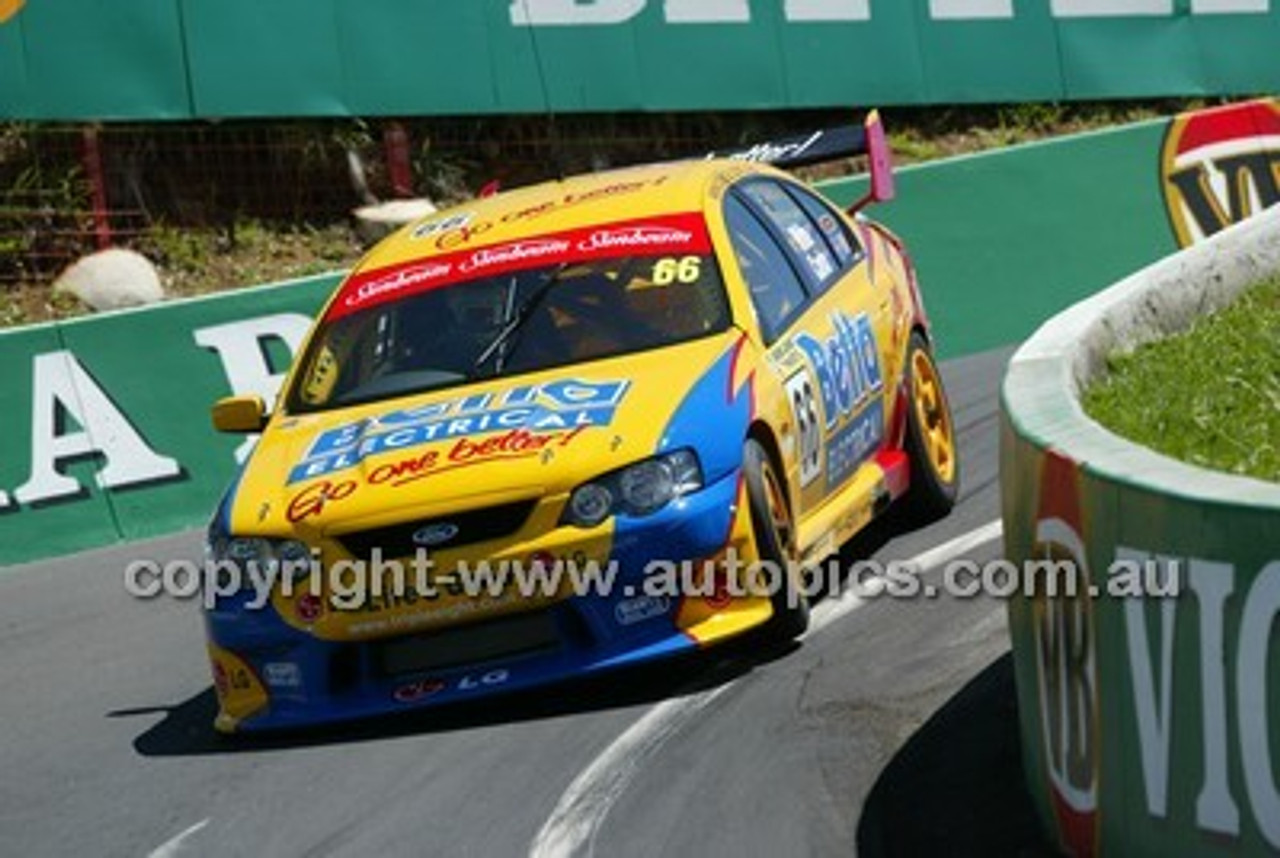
(930, 441)
(774, 532)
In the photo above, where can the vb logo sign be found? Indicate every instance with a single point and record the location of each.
(1219, 167)
(1066, 665)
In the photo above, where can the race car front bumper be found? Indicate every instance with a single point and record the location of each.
(666, 595)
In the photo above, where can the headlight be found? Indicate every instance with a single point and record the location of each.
(638, 489)
(293, 553)
(590, 504)
(647, 486)
(289, 555)
(245, 550)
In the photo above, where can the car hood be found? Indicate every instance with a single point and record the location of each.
(504, 440)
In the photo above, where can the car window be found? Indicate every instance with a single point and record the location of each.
(833, 227)
(801, 234)
(519, 321)
(776, 290)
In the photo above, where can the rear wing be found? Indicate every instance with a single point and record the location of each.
(845, 141)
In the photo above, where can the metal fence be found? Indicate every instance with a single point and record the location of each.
(66, 190)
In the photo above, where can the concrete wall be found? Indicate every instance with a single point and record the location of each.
(1150, 723)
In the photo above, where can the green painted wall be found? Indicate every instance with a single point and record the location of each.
(1005, 239)
(156, 379)
(1157, 715)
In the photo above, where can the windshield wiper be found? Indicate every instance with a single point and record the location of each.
(517, 317)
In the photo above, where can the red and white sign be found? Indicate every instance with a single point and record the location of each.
(683, 233)
(507, 256)
(636, 237)
(1066, 663)
(398, 280)
(1220, 166)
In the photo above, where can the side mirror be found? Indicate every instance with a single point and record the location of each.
(240, 414)
(882, 187)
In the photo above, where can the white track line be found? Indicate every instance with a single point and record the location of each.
(173, 846)
(584, 805)
(589, 798)
(831, 610)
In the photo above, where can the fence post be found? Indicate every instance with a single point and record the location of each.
(91, 154)
(395, 142)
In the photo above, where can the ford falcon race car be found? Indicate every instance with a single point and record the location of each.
(701, 366)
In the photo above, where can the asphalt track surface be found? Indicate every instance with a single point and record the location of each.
(106, 746)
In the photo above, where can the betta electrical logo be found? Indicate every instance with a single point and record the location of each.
(1066, 666)
(524, 417)
(9, 8)
(1219, 167)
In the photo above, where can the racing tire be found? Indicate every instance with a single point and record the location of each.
(774, 532)
(930, 438)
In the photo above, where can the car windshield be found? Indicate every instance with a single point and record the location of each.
(514, 322)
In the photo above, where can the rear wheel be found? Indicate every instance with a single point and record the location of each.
(930, 441)
(775, 535)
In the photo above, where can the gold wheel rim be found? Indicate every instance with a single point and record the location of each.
(933, 417)
(776, 503)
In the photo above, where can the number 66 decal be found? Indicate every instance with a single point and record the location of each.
(804, 408)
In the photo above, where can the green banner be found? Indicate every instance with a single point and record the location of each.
(32, 522)
(161, 59)
(106, 420)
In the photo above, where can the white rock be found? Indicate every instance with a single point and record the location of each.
(111, 279)
(378, 221)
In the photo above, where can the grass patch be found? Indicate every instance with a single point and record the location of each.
(196, 261)
(1209, 396)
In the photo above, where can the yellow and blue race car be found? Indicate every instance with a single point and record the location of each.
(571, 427)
